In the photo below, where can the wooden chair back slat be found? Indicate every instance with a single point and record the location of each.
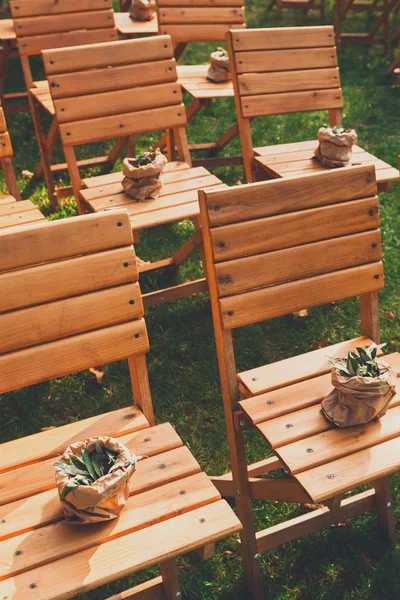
(199, 20)
(282, 83)
(72, 303)
(257, 277)
(47, 24)
(5, 142)
(115, 90)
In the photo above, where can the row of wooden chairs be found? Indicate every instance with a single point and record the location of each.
(71, 301)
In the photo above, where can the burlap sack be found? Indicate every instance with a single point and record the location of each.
(358, 400)
(334, 150)
(218, 71)
(143, 10)
(106, 497)
(143, 183)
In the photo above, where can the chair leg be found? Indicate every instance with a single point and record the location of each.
(9, 176)
(384, 508)
(44, 154)
(170, 579)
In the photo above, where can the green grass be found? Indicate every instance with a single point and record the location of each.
(350, 562)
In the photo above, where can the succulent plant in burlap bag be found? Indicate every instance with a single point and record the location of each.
(92, 478)
(142, 175)
(142, 10)
(363, 387)
(218, 71)
(335, 146)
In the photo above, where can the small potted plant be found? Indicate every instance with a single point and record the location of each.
(92, 478)
(363, 388)
(218, 70)
(335, 146)
(142, 175)
(143, 10)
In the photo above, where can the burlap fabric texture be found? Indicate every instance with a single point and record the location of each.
(218, 71)
(358, 400)
(107, 496)
(334, 150)
(142, 10)
(143, 183)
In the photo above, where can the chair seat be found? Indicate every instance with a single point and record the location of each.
(18, 213)
(7, 31)
(41, 93)
(129, 27)
(294, 160)
(193, 79)
(177, 200)
(324, 459)
(173, 508)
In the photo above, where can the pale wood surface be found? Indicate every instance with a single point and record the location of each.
(129, 27)
(193, 79)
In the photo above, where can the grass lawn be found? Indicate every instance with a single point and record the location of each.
(350, 561)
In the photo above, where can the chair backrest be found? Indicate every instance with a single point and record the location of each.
(276, 247)
(6, 153)
(42, 24)
(283, 70)
(199, 20)
(70, 300)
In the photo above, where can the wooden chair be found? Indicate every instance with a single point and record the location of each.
(272, 248)
(6, 153)
(91, 313)
(44, 24)
(379, 10)
(122, 89)
(12, 102)
(289, 70)
(202, 21)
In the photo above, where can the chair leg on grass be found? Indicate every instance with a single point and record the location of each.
(384, 508)
(9, 176)
(169, 574)
(45, 157)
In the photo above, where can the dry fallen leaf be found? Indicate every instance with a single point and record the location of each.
(320, 344)
(389, 314)
(301, 313)
(48, 428)
(26, 174)
(314, 506)
(98, 374)
(367, 561)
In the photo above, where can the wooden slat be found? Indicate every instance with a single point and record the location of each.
(117, 102)
(3, 124)
(63, 318)
(53, 442)
(291, 102)
(41, 363)
(308, 260)
(115, 559)
(194, 33)
(65, 238)
(26, 8)
(7, 199)
(267, 61)
(16, 207)
(351, 471)
(35, 44)
(153, 589)
(92, 130)
(201, 15)
(330, 444)
(287, 195)
(55, 541)
(13, 220)
(5, 145)
(293, 370)
(279, 300)
(97, 56)
(111, 178)
(38, 477)
(288, 81)
(32, 26)
(81, 83)
(303, 226)
(283, 38)
(57, 280)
